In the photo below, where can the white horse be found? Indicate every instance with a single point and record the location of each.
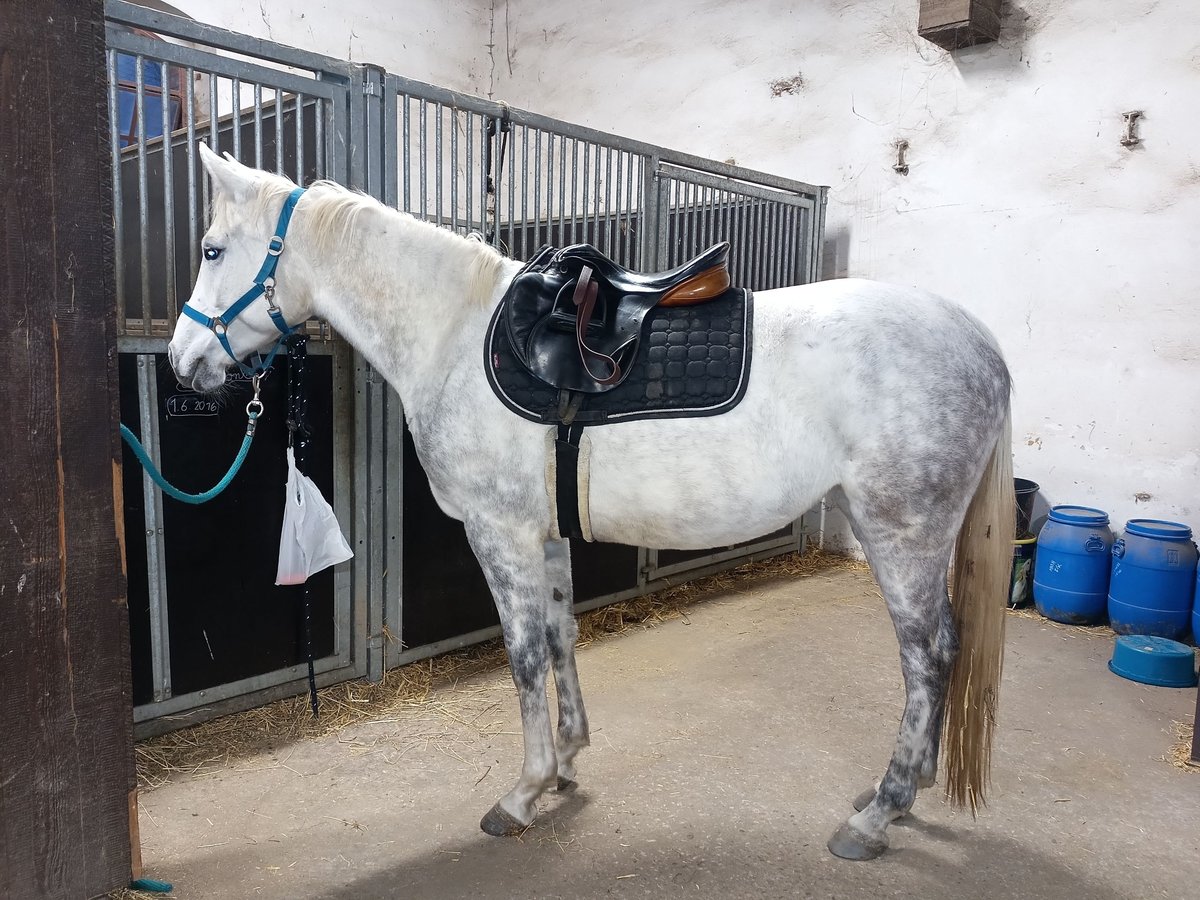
(892, 401)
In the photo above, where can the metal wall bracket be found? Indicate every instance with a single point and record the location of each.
(1130, 137)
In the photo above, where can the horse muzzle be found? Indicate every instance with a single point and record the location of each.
(196, 372)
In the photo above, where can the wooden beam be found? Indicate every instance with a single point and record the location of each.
(66, 764)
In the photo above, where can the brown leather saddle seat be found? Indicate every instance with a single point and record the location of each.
(574, 316)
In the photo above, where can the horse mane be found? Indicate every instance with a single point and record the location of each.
(331, 212)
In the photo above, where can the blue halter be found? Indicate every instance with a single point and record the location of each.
(264, 285)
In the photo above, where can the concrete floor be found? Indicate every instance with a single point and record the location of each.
(725, 749)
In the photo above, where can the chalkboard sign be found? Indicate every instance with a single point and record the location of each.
(227, 620)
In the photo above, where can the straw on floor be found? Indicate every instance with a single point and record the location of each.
(208, 747)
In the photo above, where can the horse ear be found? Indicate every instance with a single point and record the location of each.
(228, 175)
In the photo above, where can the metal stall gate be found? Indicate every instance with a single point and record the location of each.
(209, 628)
(518, 180)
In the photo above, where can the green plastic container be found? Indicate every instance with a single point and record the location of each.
(1020, 585)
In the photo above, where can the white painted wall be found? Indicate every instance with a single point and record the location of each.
(438, 41)
(1021, 203)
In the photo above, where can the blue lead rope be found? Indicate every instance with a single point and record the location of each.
(169, 489)
(254, 409)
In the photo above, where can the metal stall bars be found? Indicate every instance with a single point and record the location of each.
(204, 634)
(521, 180)
(774, 226)
(516, 178)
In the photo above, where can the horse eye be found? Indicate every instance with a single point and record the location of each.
(211, 253)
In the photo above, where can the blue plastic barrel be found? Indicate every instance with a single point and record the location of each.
(1071, 569)
(1153, 579)
(1196, 609)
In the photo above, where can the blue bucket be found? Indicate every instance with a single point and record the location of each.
(1153, 579)
(1071, 568)
(1153, 660)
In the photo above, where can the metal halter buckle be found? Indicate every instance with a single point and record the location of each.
(275, 246)
(254, 408)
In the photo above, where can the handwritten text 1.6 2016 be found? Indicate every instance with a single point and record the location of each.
(191, 405)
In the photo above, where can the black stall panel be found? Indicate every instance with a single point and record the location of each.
(600, 570)
(227, 620)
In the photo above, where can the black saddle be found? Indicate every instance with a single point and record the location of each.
(574, 317)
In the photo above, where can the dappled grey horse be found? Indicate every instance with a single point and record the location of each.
(892, 401)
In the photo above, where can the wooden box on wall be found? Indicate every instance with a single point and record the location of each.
(959, 23)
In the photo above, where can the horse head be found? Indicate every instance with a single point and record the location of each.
(241, 306)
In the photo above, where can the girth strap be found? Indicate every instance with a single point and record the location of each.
(566, 467)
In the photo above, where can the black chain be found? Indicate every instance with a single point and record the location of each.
(299, 437)
(493, 185)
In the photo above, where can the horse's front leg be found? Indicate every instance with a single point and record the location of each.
(514, 564)
(561, 633)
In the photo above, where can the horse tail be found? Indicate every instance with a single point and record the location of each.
(982, 572)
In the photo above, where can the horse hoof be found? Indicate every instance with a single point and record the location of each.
(499, 823)
(566, 784)
(850, 843)
(863, 800)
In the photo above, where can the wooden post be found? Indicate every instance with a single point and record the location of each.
(66, 762)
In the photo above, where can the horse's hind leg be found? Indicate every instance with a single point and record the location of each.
(561, 633)
(944, 644)
(515, 567)
(913, 581)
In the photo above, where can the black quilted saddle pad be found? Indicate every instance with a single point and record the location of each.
(691, 361)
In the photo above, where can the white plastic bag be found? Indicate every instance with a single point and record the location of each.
(311, 538)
